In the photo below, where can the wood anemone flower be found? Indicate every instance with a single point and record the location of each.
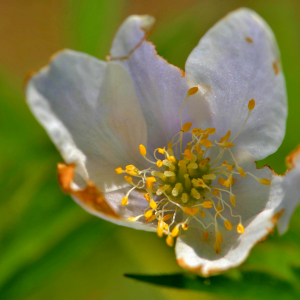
(149, 146)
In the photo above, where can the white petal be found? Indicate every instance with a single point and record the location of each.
(257, 204)
(236, 61)
(160, 86)
(291, 189)
(136, 206)
(91, 112)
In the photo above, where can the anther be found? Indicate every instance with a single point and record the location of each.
(241, 171)
(186, 127)
(184, 226)
(219, 237)
(207, 204)
(142, 150)
(159, 163)
(202, 213)
(175, 231)
(167, 217)
(149, 182)
(240, 228)
(119, 170)
(228, 224)
(170, 241)
(232, 199)
(161, 150)
(160, 228)
(251, 104)
(128, 179)
(205, 235)
(148, 214)
(124, 201)
(192, 91)
(217, 247)
(206, 143)
(153, 204)
(226, 137)
(190, 211)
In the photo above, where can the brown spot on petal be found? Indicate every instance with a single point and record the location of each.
(198, 270)
(182, 73)
(276, 216)
(289, 161)
(276, 67)
(248, 39)
(90, 196)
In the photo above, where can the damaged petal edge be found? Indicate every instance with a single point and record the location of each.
(147, 27)
(215, 270)
(290, 159)
(90, 196)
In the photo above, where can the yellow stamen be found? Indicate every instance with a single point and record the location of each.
(170, 241)
(251, 104)
(185, 226)
(171, 158)
(210, 130)
(119, 170)
(206, 143)
(227, 144)
(147, 197)
(219, 237)
(240, 228)
(128, 179)
(192, 91)
(207, 204)
(124, 201)
(159, 163)
(215, 192)
(153, 217)
(142, 150)
(217, 247)
(241, 171)
(175, 231)
(161, 150)
(264, 181)
(202, 213)
(149, 182)
(148, 214)
(228, 224)
(190, 211)
(160, 228)
(167, 217)
(132, 219)
(189, 155)
(153, 204)
(186, 127)
(232, 199)
(226, 137)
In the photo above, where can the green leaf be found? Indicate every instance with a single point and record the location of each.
(249, 284)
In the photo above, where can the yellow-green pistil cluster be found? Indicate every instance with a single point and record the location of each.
(181, 186)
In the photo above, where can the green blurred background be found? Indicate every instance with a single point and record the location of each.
(49, 247)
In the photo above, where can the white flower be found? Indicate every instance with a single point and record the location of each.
(291, 190)
(186, 142)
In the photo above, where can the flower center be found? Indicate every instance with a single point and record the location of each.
(190, 184)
